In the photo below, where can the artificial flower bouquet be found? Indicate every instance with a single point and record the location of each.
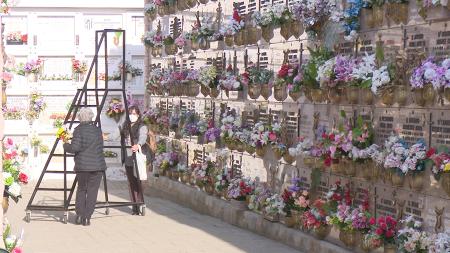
(213, 133)
(151, 116)
(258, 197)
(314, 219)
(116, 109)
(152, 39)
(314, 13)
(232, 25)
(79, 66)
(273, 207)
(240, 188)
(150, 8)
(258, 76)
(229, 81)
(36, 106)
(208, 76)
(411, 238)
(33, 66)
(385, 228)
(222, 182)
(203, 173)
(63, 134)
(165, 161)
(12, 242)
(13, 173)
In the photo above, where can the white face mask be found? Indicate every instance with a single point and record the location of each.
(133, 118)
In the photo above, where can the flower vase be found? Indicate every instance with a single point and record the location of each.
(203, 43)
(419, 97)
(397, 180)
(260, 151)
(378, 15)
(296, 29)
(129, 77)
(249, 149)
(209, 189)
(204, 90)
(152, 15)
(214, 92)
(402, 94)
(267, 33)
(321, 232)
(398, 12)
(254, 91)
(387, 97)
(172, 9)
(192, 180)
(4, 97)
(203, 1)
(265, 91)
(334, 95)
(285, 30)
(308, 161)
(185, 178)
(288, 158)
(280, 92)
(162, 10)
(390, 248)
(181, 5)
(366, 96)
(193, 89)
(191, 3)
(271, 217)
(289, 221)
(239, 38)
(368, 170)
(240, 146)
(335, 166)
(296, 215)
(254, 35)
(277, 153)
(417, 180)
(229, 40)
(154, 51)
(429, 94)
(5, 205)
(353, 95)
(239, 204)
(171, 49)
(295, 95)
(447, 94)
(32, 78)
(194, 45)
(367, 15)
(444, 181)
(349, 168)
(349, 238)
(317, 95)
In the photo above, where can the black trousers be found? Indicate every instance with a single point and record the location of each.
(135, 186)
(88, 184)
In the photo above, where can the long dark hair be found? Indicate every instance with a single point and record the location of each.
(135, 127)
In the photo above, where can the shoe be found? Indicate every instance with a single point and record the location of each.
(78, 220)
(86, 222)
(135, 210)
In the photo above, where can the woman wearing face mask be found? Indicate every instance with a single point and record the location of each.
(139, 132)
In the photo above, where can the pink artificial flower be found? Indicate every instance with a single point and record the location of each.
(16, 250)
(272, 136)
(332, 150)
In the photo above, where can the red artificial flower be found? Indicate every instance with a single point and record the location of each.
(284, 70)
(327, 161)
(389, 233)
(236, 15)
(391, 221)
(331, 136)
(381, 219)
(23, 178)
(431, 152)
(372, 221)
(379, 231)
(324, 136)
(10, 142)
(286, 195)
(383, 226)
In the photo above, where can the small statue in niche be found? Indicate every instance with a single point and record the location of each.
(400, 204)
(438, 225)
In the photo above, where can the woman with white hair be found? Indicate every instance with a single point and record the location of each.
(87, 145)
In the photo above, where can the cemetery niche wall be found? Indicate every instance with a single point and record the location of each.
(284, 111)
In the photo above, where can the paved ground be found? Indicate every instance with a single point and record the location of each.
(166, 228)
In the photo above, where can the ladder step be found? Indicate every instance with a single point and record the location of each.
(102, 89)
(85, 105)
(45, 208)
(116, 146)
(59, 172)
(62, 155)
(52, 189)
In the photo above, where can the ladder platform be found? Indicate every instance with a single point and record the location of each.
(62, 155)
(60, 172)
(51, 189)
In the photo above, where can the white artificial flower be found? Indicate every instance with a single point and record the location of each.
(429, 74)
(15, 189)
(447, 74)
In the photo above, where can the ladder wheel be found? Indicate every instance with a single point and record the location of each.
(142, 210)
(107, 211)
(65, 218)
(28, 216)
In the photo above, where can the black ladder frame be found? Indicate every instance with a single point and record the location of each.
(77, 103)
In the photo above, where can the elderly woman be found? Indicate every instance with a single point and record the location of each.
(87, 145)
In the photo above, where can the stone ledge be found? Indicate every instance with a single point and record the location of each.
(203, 203)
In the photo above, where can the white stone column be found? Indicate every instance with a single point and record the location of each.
(2, 185)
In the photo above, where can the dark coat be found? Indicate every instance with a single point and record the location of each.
(139, 131)
(87, 145)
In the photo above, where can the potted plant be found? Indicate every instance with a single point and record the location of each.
(153, 40)
(441, 167)
(79, 68)
(288, 77)
(415, 164)
(256, 79)
(150, 10)
(446, 67)
(310, 73)
(273, 207)
(314, 219)
(260, 138)
(411, 238)
(208, 77)
(314, 16)
(169, 45)
(268, 20)
(385, 227)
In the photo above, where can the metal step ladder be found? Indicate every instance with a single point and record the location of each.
(83, 98)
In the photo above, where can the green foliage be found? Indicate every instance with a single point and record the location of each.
(44, 149)
(318, 57)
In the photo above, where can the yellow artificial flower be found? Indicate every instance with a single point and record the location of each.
(447, 167)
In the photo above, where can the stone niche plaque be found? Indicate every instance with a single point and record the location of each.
(384, 123)
(252, 167)
(358, 192)
(312, 118)
(385, 201)
(413, 125)
(366, 113)
(306, 120)
(436, 215)
(417, 39)
(440, 40)
(440, 128)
